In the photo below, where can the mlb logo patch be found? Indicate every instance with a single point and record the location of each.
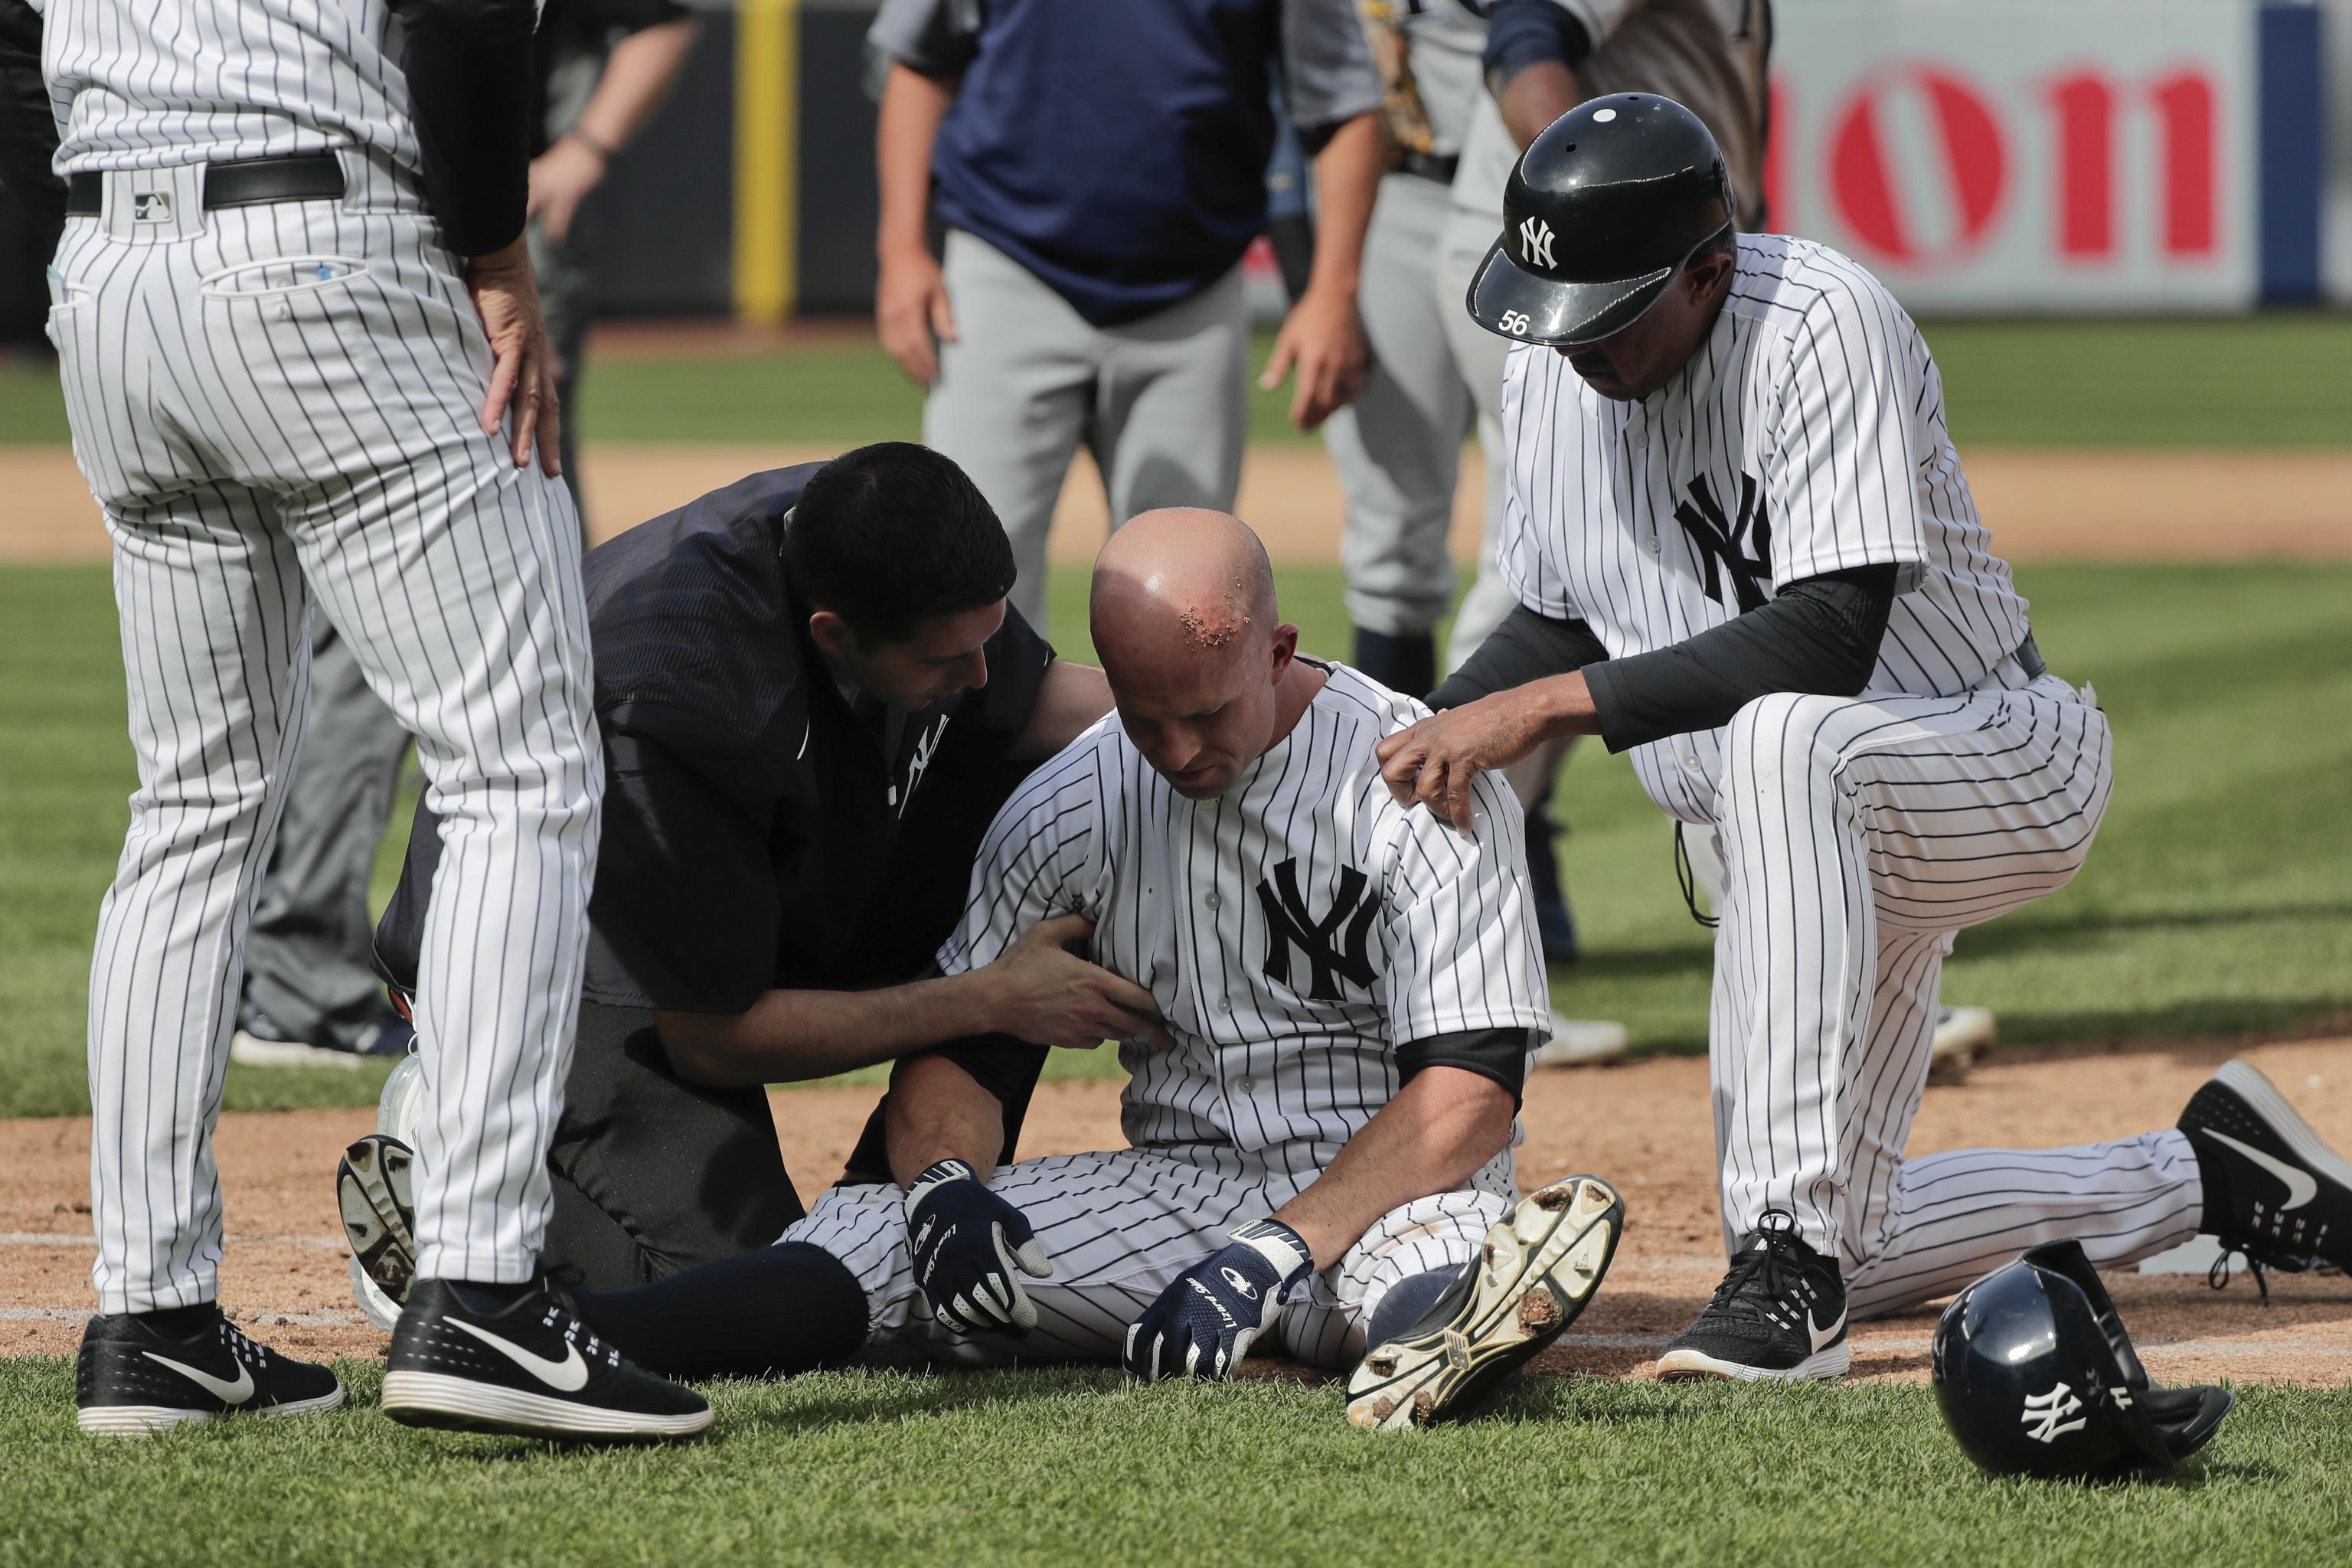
(151, 207)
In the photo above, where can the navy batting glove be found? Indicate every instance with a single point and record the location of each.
(967, 1244)
(1203, 1324)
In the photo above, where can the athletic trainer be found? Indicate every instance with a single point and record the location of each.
(813, 697)
(1745, 550)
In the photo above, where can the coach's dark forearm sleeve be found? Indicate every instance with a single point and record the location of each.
(28, 132)
(1526, 647)
(1818, 636)
(469, 88)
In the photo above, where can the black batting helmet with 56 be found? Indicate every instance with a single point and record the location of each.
(1603, 209)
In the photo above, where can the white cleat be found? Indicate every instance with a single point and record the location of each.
(1963, 1036)
(1539, 1265)
(379, 1210)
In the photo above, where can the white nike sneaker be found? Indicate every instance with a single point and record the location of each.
(533, 1369)
(2274, 1189)
(1583, 1043)
(1963, 1036)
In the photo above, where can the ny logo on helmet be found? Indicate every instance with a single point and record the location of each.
(1535, 242)
(2045, 1413)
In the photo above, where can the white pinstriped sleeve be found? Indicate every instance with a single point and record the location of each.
(1530, 426)
(1842, 477)
(1462, 946)
(1042, 857)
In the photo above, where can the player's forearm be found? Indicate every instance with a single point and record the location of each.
(939, 1111)
(1533, 48)
(913, 105)
(639, 75)
(1346, 182)
(1432, 1138)
(787, 1035)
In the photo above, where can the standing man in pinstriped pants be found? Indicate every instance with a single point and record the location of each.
(304, 361)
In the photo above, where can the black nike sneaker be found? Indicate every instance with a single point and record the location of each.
(532, 1369)
(1778, 1317)
(1539, 1265)
(2274, 1189)
(131, 1378)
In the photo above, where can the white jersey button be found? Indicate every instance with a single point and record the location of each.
(1224, 1003)
(1212, 900)
(1247, 1085)
(1690, 764)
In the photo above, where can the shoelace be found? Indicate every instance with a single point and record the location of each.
(560, 1282)
(1768, 1260)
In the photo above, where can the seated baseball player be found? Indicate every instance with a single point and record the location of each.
(1320, 1160)
(813, 696)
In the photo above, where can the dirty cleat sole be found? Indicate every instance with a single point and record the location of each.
(378, 1205)
(1539, 1265)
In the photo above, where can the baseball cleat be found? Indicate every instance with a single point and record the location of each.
(1583, 1043)
(2274, 1189)
(530, 1369)
(130, 1378)
(1963, 1037)
(379, 1210)
(1778, 1317)
(260, 1041)
(1539, 1265)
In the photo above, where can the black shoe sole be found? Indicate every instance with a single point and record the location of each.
(1541, 1263)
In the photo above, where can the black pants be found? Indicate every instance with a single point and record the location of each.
(653, 1175)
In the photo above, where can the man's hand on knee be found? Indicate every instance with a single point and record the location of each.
(1205, 1322)
(970, 1248)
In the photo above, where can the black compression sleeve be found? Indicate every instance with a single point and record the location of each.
(1499, 1056)
(1818, 636)
(28, 133)
(1522, 32)
(1526, 647)
(470, 88)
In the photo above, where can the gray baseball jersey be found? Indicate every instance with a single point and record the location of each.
(275, 408)
(1292, 931)
(1807, 436)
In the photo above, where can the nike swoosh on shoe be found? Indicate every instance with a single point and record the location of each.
(1821, 1337)
(236, 1392)
(569, 1376)
(2302, 1186)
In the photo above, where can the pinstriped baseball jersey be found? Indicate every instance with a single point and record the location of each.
(1806, 436)
(185, 81)
(1291, 931)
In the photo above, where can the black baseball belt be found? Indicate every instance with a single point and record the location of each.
(1430, 166)
(251, 181)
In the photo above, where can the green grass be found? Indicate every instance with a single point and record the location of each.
(1066, 1467)
(2283, 379)
(2219, 899)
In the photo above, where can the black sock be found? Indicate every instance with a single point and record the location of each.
(491, 1300)
(783, 1310)
(182, 1322)
(1406, 663)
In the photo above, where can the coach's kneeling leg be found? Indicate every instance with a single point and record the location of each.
(786, 1309)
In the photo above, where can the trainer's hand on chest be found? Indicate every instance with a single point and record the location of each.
(1205, 1322)
(970, 1249)
(1048, 996)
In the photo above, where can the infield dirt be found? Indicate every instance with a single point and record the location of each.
(1645, 1127)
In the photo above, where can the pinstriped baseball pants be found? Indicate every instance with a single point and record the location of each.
(1858, 835)
(275, 408)
(1119, 1227)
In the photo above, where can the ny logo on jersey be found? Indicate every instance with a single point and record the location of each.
(1535, 242)
(1723, 544)
(1289, 925)
(2045, 1413)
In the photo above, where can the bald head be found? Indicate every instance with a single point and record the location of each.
(1182, 583)
(1185, 622)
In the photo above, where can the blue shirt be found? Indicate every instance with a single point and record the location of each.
(1117, 148)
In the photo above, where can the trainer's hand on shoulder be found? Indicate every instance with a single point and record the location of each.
(1323, 339)
(912, 314)
(1048, 996)
(970, 1248)
(522, 401)
(1205, 1322)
